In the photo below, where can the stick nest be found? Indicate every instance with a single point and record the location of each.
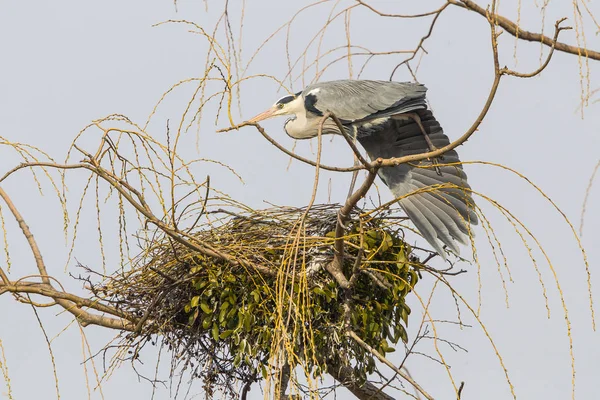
(228, 323)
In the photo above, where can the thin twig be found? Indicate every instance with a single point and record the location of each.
(387, 362)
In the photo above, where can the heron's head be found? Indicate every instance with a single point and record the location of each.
(286, 105)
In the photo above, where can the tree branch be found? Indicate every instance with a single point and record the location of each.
(335, 266)
(387, 362)
(519, 33)
(367, 391)
(35, 250)
(286, 151)
(348, 139)
(73, 304)
(130, 194)
(557, 30)
(382, 14)
(65, 300)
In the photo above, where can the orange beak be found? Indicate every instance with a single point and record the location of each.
(264, 115)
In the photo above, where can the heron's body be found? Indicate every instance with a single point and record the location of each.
(379, 114)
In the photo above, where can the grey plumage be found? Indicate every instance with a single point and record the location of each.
(440, 214)
(355, 100)
(439, 203)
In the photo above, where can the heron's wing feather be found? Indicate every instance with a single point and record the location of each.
(353, 100)
(441, 207)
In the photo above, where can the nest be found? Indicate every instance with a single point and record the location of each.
(224, 322)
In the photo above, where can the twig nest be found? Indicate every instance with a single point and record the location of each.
(228, 322)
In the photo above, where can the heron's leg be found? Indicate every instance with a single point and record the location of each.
(430, 144)
(417, 119)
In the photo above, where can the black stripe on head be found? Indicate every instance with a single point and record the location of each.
(285, 99)
(309, 103)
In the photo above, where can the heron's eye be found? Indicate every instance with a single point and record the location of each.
(280, 106)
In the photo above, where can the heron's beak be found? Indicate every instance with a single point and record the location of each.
(264, 115)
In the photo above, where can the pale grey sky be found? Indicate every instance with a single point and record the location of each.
(66, 63)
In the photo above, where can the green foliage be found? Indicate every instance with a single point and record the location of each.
(236, 309)
(226, 321)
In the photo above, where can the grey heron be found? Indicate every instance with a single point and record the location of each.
(391, 119)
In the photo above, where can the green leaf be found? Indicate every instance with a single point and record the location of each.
(370, 239)
(242, 345)
(237, 360)
(377, 307)
(387, 243)
(195, 301)
(364, 318)
(264, 372)
(231, 313)
(226, 334)
(215, 331)
(196, 269)
(386, 347)
(187, 308)
(206, 308)
(222, 314)
(414, 277)
(200, 284)
(404, 316)
(401, 258)
(232, 299)
(206, 322)
(403, 333)
(248, 322)
(374, 328)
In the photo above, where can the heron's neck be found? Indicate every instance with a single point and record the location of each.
(298, 127)
(304, 126)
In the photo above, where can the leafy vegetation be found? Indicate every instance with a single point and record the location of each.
(220, 318)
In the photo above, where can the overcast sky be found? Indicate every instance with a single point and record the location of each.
(66, 63)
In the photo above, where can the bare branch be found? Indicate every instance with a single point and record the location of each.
(387, 362)
(349, 140)
(516, 31)
(65, 300)
(367, 391)
(73, 304)
(335, 266)
(286, 151)
(382, 14)
(557, 30)
(35, 250)
(437, 14)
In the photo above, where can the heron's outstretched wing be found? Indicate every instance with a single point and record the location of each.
(441, 214)
(355, 100)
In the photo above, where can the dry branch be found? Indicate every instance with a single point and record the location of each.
(72, 304)
(512, 28)
(345, 376)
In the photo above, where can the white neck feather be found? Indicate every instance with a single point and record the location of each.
(297, 127)
(303, 126)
